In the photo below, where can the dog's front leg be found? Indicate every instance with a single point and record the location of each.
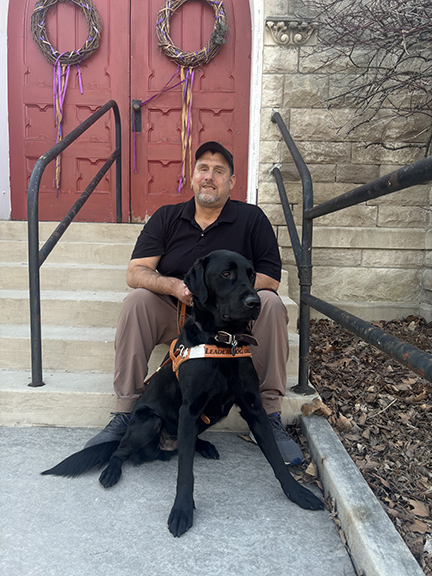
(181, 516)
(258, 421)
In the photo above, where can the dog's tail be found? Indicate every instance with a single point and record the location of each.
(84, 460)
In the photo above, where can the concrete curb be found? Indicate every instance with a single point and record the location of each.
(376, 546)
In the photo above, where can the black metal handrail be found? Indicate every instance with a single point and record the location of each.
(37, 257)
(417, 173)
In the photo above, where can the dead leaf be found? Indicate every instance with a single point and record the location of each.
(419, 508)
(312, 469)
(317, 407)
(418, 526)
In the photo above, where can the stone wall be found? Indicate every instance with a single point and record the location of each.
(370, 259)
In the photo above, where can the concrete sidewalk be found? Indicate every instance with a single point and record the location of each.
(243, 525)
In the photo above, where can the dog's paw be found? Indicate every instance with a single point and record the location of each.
(207, 449)
(110, 476)
(305, 499)
(180, 520)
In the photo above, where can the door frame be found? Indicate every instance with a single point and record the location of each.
(257, 22)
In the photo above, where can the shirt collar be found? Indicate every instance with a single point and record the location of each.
(228, 214)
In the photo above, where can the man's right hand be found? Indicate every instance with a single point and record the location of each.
(142, 273)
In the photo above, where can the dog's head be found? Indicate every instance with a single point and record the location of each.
(222, 285)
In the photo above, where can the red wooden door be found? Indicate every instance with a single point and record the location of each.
(127, 65)
(220, 109)
(105, 76)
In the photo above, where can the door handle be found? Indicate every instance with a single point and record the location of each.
(136, 116)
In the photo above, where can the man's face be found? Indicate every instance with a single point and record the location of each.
(211, 180)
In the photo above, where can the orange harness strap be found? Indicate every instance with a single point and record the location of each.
(204, 351)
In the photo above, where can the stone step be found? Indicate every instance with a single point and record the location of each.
(89, 277)
(93, 309)
(81, 349)
(76, 232)
(114, 253)
(85, 399)
(81, 308)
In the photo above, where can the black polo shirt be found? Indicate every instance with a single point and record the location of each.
(173, 234)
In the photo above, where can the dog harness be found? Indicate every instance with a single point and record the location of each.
(205, 351)
(177, 357)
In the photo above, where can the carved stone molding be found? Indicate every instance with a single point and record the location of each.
(290, 31)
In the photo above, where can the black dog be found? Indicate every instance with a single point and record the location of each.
(201, 392)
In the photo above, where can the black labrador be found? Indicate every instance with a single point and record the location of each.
(201, 392)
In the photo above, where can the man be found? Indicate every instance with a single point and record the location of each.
(175, 236)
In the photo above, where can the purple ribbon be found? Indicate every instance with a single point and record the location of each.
(166, 88)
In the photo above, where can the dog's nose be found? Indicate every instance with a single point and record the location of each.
(252, 301)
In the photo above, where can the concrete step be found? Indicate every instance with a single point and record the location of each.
(81, 252)
(85, 399)
(77, 232)
(81, 308)
(89, 277)
(81, 349)
(92, 309)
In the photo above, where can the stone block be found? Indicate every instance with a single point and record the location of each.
(272, 90)
(367, 238)
(274, 213)
(426, 311)
(356, 174)
(360, 215)
(414, 196)
(367, 284)
(314, 124)
(312, 62)
(324, 191)
(270, 152)
(264, 172)
(428, 240)
(280, 59)
(377, 154)
(336, 257)
(287, 256)
(268, 129)
(392, 258)
(402, 216)
(427, 281)
(324, 152)
(305, 90)
(268, 193)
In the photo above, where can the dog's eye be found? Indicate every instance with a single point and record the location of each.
(226, 274)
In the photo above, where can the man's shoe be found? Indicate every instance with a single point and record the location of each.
(291, 453)
(114, 430)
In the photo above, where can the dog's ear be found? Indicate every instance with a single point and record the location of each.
(195, 279)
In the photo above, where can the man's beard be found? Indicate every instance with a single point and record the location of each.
(205, 198)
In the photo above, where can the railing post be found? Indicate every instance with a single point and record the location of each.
(36, 257)
(305, 265)
(118, 165)
(34, 277)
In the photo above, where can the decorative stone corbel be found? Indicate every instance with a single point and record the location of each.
(290, 31)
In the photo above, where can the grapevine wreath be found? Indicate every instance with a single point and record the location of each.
(40, 36)
(191, 59)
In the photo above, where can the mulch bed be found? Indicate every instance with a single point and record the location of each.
(382, 413)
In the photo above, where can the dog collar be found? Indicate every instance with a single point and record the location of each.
(234, 339)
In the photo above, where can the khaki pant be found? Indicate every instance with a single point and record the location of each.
(148, 319)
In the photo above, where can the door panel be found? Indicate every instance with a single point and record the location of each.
(220, 100)
(31, 124)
